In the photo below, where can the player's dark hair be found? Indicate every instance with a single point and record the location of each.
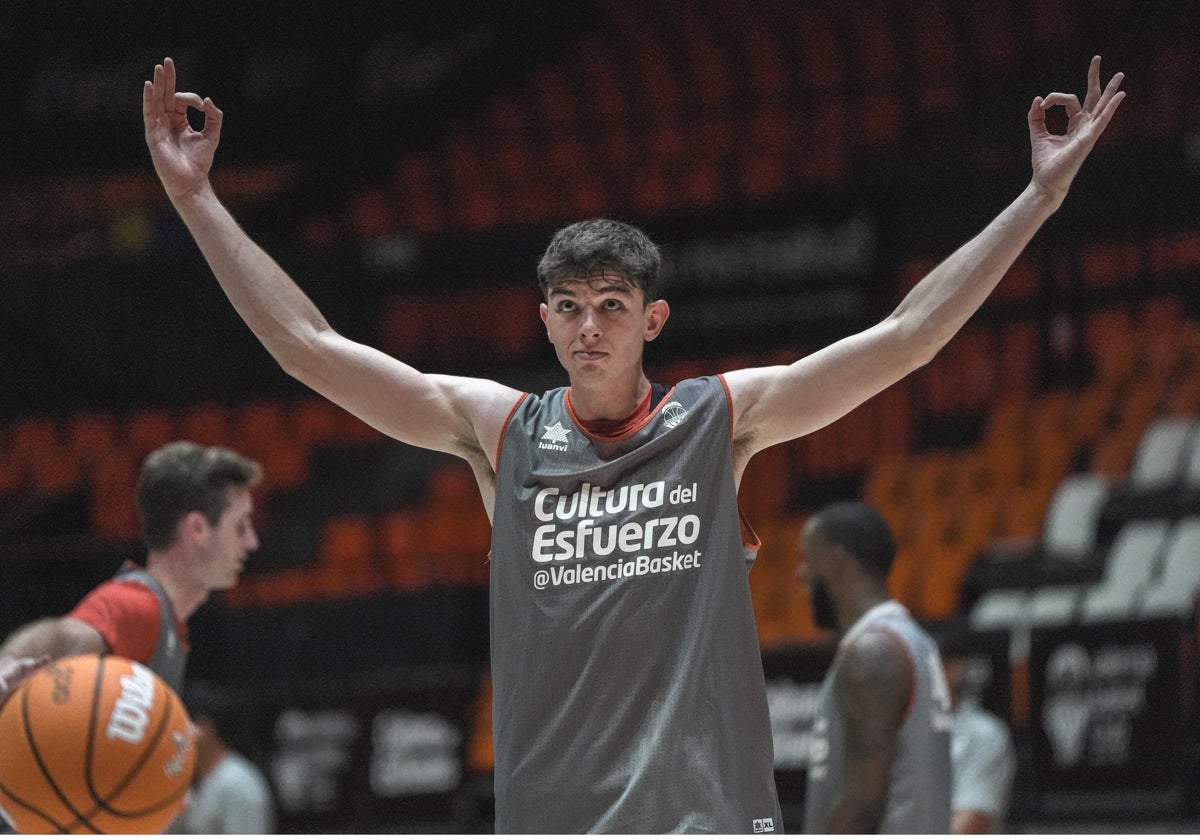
(182, 477)
(862, 531)
(584, 249)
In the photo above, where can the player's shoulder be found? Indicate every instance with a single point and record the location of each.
(130, 592)
(874, 654)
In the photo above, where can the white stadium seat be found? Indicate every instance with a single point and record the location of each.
(1071, 519)
(1128, 568)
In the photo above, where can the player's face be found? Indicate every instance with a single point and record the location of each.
(598, 326)
(231, 540)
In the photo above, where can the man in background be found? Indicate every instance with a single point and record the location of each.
(983, 759)
(880, 759)
(229, 794)
(195, 506)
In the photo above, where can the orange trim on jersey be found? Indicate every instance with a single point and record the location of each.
(504, 427)
(636, 423)
(728, 402)
(749, 538)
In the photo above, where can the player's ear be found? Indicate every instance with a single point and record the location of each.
(544, 312)
(194, 525)
(843, 561)
(657, 312)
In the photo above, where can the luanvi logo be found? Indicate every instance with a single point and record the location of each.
(764, 826)
(555, 437)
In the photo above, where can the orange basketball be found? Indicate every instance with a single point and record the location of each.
(94, 745)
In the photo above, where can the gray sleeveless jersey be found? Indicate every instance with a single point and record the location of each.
(918, 798)
(628, 683)
(170, 656)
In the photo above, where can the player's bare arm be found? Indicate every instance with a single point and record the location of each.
(54, 637)
(873, 687)
(15, 671)
(33, 645)
(450, 414)
(775, 404)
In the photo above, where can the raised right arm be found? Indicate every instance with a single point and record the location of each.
(458, 415)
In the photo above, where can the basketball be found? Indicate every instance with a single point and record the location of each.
(94, 745)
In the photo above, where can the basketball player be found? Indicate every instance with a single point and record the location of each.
(880, 760)
(982, 754)
(230, 794)
(628, 686)
(195, 506)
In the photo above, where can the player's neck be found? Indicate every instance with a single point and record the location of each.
(185, 596)
(608, 403)
(859, 604)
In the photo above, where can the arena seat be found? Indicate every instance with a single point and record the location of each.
(1190, 467)
(1160, 453)
(1053, 605)
(1128, 567)
(1173, 591)
(1069, 531)
(89, 434)
(1000, 609)
(146, 429)
(205, 423)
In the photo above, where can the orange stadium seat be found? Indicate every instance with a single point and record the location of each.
(39, 459)
(285, 463)
(33, 437)
(347, 557)
(347, 540)
(90, 434)
(147, 429)
(113, 513)
(315, 421)
(402, 547)
(481, 756)
(206, 423)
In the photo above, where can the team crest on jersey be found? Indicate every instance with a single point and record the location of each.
(555, 437)
(673, 414)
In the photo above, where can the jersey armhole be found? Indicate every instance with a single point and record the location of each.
(749, 538)
(504, 427)
(728, 402)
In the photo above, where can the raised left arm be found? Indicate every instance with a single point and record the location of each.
(775, 404)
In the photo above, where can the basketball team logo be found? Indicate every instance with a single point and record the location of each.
(674, 414)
